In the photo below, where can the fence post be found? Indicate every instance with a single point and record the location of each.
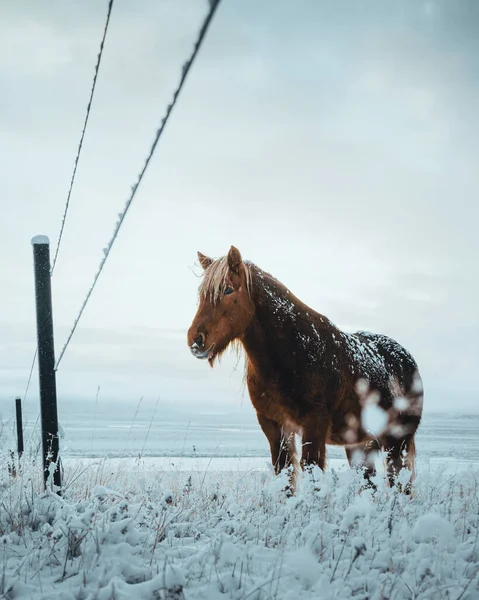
(18, 411)
(46, 359)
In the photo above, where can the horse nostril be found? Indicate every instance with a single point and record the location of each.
(200, 340)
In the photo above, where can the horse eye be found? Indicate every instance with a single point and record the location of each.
(228, 290)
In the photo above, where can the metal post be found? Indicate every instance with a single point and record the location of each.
(18, 410)
(46, 358)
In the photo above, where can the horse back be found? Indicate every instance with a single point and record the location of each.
(386, 365)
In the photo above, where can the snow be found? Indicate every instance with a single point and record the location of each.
(125, 529)
(433, 528)
(40, 239)
(401, 403)
(374, 419)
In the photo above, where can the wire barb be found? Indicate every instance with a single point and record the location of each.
(106, 251)
(80, 145)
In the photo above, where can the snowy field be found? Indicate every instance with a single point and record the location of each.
(211, 525)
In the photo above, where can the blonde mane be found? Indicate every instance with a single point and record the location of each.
(215, 277)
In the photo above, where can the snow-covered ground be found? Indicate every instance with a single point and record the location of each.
(149, 529)
(207, 519)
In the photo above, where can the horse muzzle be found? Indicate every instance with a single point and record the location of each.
(198, 352)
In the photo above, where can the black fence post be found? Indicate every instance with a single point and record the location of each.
(18, 411)
(46, 359)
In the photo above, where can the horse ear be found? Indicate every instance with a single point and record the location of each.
(234, 259)
(205, 261)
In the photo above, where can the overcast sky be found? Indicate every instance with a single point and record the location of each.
(335, 143)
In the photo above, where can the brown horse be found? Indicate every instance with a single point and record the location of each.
(305, 376)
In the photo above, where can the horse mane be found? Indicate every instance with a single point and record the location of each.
(215, 277)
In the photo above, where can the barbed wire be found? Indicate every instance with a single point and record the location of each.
(77, 158)
(106, 251)
(82, 137)
(30, 375)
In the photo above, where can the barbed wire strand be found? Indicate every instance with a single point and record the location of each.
(31, 373)
(121, 217)
(77, 158)
(82, 137)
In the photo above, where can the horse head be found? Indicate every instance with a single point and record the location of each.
(225, 306)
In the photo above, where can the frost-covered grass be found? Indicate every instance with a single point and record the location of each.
(120, 532)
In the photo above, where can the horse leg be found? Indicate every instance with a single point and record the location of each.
(401, 453)
(361, 457)
(282, 446)
(313, 450)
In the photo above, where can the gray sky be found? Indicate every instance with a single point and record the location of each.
(335, 143)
